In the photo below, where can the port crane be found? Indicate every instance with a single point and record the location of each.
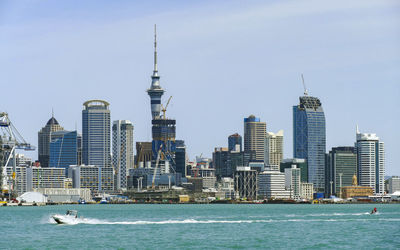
(11, 140)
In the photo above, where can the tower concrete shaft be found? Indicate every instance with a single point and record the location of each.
(155, 91)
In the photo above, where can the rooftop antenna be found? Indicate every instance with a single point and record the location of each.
(52, 112)
(155, 48)
(304, 86)
(357, 131)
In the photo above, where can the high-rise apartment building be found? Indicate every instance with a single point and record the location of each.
(122, 131)
(292, 181)
(235, 141)
(254, 136)
(341, 166)
(96, 133)
(309, 138)
(273, 148)
(44, 138)
(370, 161)
(64, 149)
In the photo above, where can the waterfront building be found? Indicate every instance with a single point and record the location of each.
(44, 139)
(65, 194)
(180, 158)
(64, 149)
(341, 166)
(370, 161)
(39, 177)
(246, 183)
(235, 141)
(393, 184)
(355, 191)
(20, 179)
(122, 131)
(271, 185)
(254, 136)
(155, 91)
(309, 138)
(97, 179)
(306, 191)
(228, 187)
(22, 160)
(298, 163)
(220, 162)
(292, 182)
(273, 148)
(96, 133)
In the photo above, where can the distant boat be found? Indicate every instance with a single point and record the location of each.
(81, 201)
(103, 201)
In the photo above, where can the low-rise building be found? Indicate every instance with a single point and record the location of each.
(306, 191)
(355, 190)
(97, 179)
(271, 185)
(393, 184)
(65, 194)
(38, 177)
(246, 182)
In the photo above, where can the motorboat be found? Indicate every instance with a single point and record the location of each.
(69, 217)
(103, 201)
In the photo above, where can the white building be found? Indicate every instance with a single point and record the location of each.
(370, 161)
(65, 194)
(393, 184)
(20, 179)
(273, 148)
(292, 181)
(38, 177)
(271, 185)
(97, 179)
(122, 159)
(306, 190)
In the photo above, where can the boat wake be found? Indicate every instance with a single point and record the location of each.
(90, 221)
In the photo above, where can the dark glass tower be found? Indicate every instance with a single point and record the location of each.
(64, 149)
(234, 140)
(309, 138)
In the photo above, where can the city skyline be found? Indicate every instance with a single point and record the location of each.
(181, 78)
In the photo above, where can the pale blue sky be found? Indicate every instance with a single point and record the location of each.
(221, 61)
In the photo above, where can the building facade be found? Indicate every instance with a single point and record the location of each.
(273, 148)
(246, 183)
(235, 141)
(254, 136)
(122, 131)
(38, 177)
(271, 185)
(370, 161)
(64, 149)
(97, 179)
(341, 165)
(293, 181)
(393, 184)
(96, 141)
(298, 163)
(309, 138)
(44, 139)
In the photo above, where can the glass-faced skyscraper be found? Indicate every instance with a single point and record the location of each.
(309, 138)
(44, 138)
(96, 133)
(64, 149)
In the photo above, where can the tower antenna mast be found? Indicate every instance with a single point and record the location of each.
(304, 86)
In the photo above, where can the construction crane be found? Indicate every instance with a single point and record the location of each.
(164, 109)
(304, 86)
(11, 140)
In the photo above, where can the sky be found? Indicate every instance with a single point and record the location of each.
(220, 60)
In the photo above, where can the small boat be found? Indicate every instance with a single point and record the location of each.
(70, 216)
(81, 201)
(103, 201)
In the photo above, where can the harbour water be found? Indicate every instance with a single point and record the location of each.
(204, 226)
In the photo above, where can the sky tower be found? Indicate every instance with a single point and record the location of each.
(155, 91)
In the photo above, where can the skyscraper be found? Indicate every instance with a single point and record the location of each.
(122, 151)
(274, 148)
(96, 133)
(44, 137)
(309, 138)
(254, 136)
(155, 91)
(234, 140)
(64, 149)
(341, 167)
(370, 161)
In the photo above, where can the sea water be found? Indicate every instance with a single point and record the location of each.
(203, 226)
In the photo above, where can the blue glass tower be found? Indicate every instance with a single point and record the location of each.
(64, 149)
(309, 138)
(96, 139)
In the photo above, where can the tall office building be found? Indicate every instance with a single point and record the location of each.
(309, 138)
(235, 141)
(341, 166)
(180, 157)
(122, 131)
(96, 133)
(254, 136)
(155, 91)
(370, 161)
(273, 148)
(64, 149)
(44, 138)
